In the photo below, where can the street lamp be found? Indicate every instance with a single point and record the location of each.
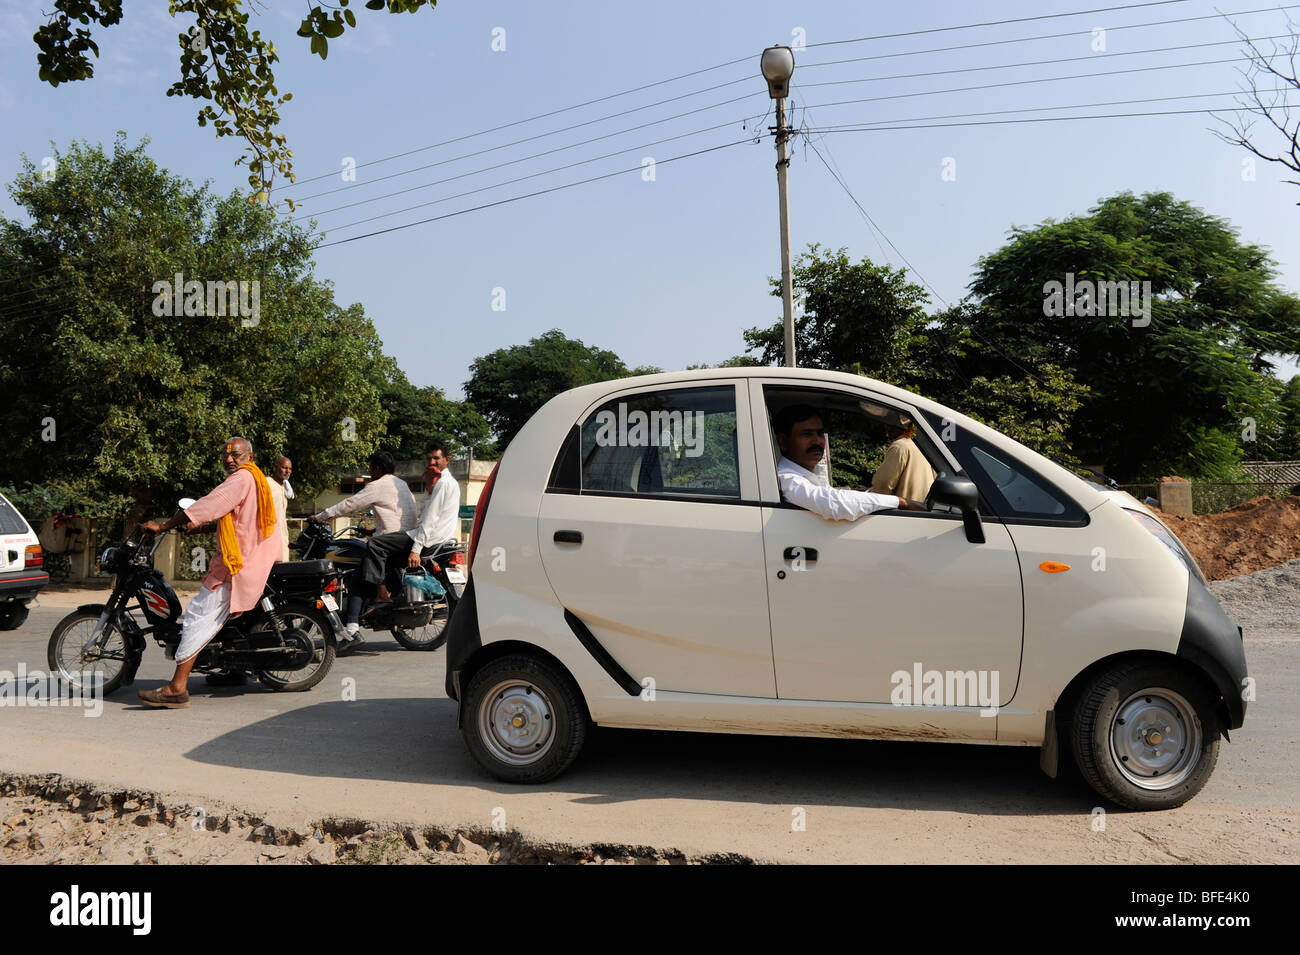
(777, 66)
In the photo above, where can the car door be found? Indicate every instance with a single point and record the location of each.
(874, 610)
(650, 532)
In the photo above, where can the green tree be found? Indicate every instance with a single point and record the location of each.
(222, 64)
(509, 384)
(417, 416)
(854, 314)
(1173, 395)
(122, 409)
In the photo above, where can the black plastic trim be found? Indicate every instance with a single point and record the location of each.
(1212, 642)
(607, 663)
(463, 638)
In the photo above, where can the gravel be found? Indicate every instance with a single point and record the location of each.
(1265, 600)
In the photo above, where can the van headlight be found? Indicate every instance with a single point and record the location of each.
(1174, 545)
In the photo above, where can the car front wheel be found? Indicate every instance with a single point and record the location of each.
(1146, 735)
(525, 720)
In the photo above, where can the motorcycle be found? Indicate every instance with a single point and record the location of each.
(287, 641)
(417, 617)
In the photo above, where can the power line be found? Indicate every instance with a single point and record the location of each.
(1051, 62)
(548, 152)
(1037, 109)
(540, 192)
(1044, 36)
(1030, 82)
(509, 182)
(997, 23)
(530, 119)
(1004, 122)
(556, 132)
(729, 102)
(718, 66)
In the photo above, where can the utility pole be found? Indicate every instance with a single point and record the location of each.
(777, 66)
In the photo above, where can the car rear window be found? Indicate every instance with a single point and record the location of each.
(11, 522)
(671, 443)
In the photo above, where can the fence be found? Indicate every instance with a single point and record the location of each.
(1211, 497)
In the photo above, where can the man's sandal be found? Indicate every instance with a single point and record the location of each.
(162, 699)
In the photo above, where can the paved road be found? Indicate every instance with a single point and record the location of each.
(394, 754)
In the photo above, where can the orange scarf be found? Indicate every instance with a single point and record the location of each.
(265, 521)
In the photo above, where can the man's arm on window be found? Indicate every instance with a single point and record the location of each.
(832, 503)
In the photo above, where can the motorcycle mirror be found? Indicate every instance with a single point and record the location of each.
(186, 503)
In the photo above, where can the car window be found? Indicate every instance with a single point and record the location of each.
(1015, 491)
(11, 521)
(859, 434)
(677, 442)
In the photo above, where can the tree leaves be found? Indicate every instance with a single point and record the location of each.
(223, 65)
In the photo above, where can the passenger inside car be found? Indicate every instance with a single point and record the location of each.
(801, 436)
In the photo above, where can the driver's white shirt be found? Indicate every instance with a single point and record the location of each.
(813, 492)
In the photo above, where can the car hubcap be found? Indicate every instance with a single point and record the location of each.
(1155, 739)
(516, 722)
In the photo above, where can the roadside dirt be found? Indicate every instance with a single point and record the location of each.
(46, 820)
(1261, 533)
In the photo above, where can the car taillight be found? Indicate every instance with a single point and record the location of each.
(332, 586)
(33, 556)
(480, 512)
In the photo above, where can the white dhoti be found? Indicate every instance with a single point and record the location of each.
(203, 618)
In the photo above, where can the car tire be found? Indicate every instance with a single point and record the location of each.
(1146, 735)
(13, 616)
(552, 712)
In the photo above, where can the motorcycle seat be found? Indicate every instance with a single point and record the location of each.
(302, 568)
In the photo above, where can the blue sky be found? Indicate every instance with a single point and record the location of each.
(669, 271)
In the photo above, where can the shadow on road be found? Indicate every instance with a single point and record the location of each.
(416, 740)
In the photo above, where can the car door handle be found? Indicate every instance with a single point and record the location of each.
(795, 553)
(568, 537)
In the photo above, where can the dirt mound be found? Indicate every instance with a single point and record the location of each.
(1261, 533)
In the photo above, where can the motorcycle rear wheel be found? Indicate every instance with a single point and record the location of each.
(316, 624)
(429, 637)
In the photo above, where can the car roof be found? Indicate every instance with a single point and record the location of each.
(1088, 495)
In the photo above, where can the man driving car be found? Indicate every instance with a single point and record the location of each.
(801, 436)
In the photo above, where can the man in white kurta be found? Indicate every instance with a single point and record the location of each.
(802, 438)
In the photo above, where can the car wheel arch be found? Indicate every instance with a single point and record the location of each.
(503, 648)
(1066, 700)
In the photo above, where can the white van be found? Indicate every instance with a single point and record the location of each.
(633, 564)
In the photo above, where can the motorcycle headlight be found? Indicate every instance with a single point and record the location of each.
(1174, 545)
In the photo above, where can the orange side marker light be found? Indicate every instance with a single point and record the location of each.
(1053, 567)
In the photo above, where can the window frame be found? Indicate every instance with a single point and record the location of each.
(771, 490)
(568, 456)
(1076, 515)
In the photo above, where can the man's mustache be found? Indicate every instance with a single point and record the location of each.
(815, 448)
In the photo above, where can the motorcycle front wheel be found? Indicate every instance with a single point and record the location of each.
(319, 632)
(81, 663)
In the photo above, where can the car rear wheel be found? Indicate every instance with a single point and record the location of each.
(525, 720)
(1146, 735)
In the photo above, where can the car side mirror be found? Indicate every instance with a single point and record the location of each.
(961, 493)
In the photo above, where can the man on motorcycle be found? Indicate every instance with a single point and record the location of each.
(248, 539)
(437, 525)
(388, 494)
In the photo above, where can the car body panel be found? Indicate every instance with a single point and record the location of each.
(636, 598)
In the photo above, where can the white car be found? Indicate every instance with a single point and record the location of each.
(22, 566)
(633, 564)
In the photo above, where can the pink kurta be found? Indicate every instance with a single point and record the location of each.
(238, 493)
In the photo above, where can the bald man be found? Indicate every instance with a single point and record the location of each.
(223, 591)
(280, 493)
